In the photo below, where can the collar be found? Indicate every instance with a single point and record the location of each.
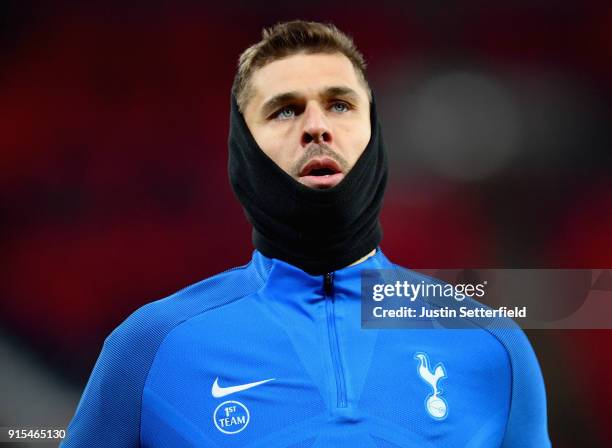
(283, 280)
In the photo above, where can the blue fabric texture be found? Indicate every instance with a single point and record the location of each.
(266, 355)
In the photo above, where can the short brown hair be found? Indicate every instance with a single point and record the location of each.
(288, 38)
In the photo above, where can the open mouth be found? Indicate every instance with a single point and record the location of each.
(320, 167)
(322, 172)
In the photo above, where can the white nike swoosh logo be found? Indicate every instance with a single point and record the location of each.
(218, 391)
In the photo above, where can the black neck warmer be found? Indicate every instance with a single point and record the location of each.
(317, 230)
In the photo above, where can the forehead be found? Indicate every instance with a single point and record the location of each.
(304, 73)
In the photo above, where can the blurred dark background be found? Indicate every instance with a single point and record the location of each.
(114, 192)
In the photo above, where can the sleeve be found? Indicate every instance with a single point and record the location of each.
(527, 420)
(108, 413)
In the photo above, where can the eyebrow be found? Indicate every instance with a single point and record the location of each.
(277, 101)
(283, 98)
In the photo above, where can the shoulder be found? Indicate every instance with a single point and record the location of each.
(146, 327)
(109, 411)
(503, 330)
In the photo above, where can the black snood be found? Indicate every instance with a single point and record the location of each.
(317, 230)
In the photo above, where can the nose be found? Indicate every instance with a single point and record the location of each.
(316, 129)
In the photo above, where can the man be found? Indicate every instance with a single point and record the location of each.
(271, 354)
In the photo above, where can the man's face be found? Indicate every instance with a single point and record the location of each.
(310, 114)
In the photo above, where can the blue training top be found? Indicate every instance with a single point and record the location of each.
(266, 355)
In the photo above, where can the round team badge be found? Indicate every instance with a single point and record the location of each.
(436, 406)
(231, 417)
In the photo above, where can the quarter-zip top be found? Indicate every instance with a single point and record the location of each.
(269, 356)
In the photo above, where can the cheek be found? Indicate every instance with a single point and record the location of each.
(274, 142)
(359, 139)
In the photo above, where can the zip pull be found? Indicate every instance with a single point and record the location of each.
(328, 284)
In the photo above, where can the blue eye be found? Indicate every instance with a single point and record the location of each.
(340, 107)
(285, 113)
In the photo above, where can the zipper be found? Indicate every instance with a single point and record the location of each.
(334, 346)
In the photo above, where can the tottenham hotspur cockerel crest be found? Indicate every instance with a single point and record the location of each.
(436, 406)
